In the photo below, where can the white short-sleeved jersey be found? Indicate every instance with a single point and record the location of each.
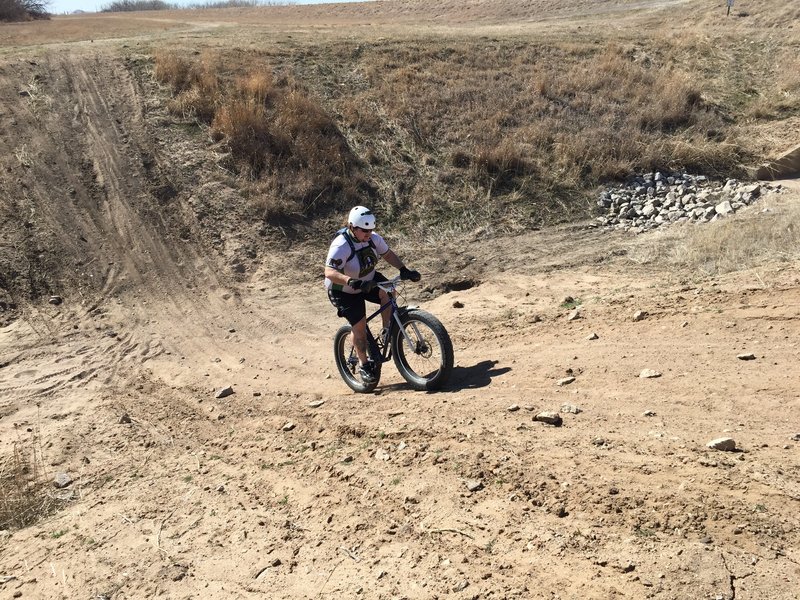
(362, 263)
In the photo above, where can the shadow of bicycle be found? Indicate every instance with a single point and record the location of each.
(476, 376)
(461, 378)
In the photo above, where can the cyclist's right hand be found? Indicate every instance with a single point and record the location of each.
(366, 286)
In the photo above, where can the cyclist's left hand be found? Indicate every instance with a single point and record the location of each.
(410, 274)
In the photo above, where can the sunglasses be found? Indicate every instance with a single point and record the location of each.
(364, 230)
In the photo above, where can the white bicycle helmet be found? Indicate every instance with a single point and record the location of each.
(361, 216)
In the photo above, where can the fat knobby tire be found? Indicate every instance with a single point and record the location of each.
(400, 349)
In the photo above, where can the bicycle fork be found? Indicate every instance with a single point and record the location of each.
(406, 337)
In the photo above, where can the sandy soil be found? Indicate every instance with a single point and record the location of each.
(178, 494)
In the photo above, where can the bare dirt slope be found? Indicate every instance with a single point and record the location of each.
(178, 494)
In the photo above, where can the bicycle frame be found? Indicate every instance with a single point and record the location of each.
(389, 287)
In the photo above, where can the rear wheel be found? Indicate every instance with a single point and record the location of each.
(426, 363)
(347, 360)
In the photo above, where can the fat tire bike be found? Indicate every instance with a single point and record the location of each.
(415, 340)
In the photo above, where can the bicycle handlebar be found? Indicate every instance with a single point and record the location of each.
(390, 284)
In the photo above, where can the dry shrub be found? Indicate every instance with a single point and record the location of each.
(172, 70)
(316, 140)
(501, 165)
(195, 84)
(24, 497)
(244, 126)
(701, 155)
(257, 86)
(193, 104)
(279, 138)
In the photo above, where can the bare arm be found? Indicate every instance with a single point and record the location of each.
(335, 276)
(393, 260)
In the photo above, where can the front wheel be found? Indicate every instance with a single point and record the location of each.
(347, 361)
(425, 364)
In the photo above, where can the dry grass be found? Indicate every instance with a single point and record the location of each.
(746, 240)
(529, 122)
(280, 138)
(24, 494)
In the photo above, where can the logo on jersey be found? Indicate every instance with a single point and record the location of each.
(367, 260)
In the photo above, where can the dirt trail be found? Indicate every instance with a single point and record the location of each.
(366, 496)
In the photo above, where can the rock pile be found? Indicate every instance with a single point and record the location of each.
(655, 199)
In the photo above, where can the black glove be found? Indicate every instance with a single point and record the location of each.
(363, 285)
(409, 274)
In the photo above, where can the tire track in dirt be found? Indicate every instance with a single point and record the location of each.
(112, 222)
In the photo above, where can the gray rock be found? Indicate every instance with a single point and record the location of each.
(565, 381)
(473, 485)
(723, 444)
(224, 392)
(649, 374)
(549, 417)
(724, 208)
(749, 356)
(62, 480)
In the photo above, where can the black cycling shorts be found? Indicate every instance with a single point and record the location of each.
(353, 306)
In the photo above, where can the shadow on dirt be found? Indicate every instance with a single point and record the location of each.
(476, 376)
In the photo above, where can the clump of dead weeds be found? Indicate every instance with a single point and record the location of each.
(280, 138)
(25, 497)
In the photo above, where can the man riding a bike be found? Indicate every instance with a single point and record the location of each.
(351, 278)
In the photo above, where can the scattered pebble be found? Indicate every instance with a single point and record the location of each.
(288, 426)
(224, 392)
(316, 403)
(62, 480)
(593, 336)
(640, 315)
(723, 444)
(513, 408)
(649, 374)
(473, 485)
(549, 417)
(566, 381)
(749, 356)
